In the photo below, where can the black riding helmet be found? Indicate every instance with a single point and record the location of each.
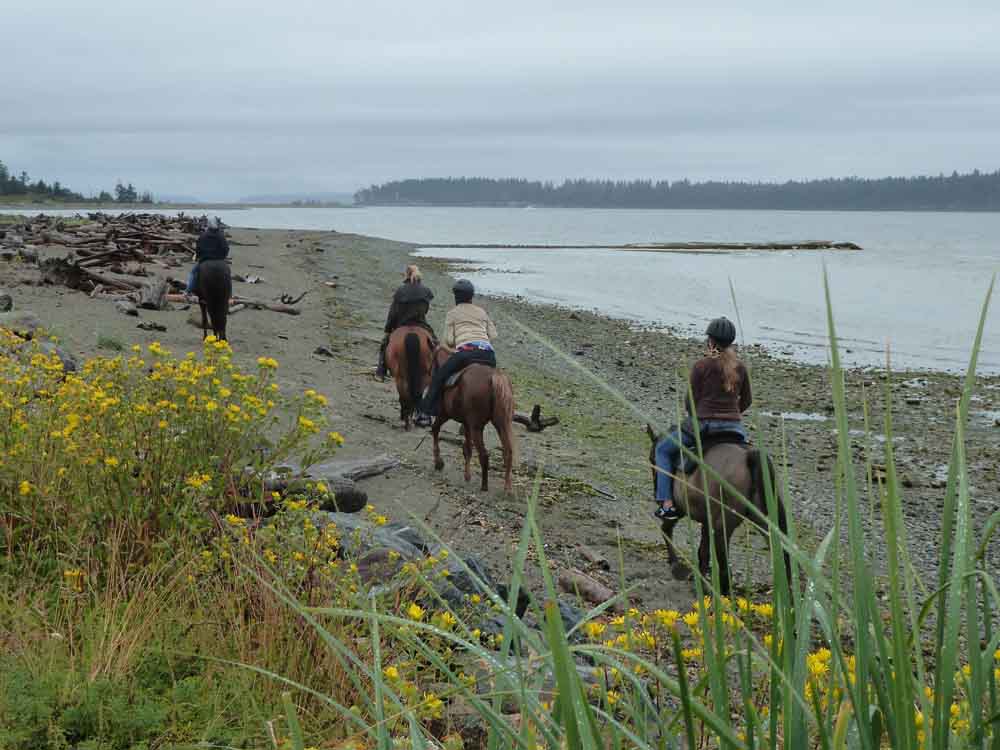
(721, 331)
(463, 290)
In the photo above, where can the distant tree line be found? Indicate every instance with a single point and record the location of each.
(21, 185)
(975, 191)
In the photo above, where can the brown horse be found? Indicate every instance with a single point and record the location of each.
(482, 395)
(725, 507)
(409, 356)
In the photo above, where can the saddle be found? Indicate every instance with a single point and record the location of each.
(454, 379)
(709, 441)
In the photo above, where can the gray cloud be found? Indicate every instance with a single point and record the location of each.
(225, 99)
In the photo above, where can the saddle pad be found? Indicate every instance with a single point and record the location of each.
(710, 441)
(453, 380)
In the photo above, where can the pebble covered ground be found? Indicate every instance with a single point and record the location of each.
(581, 367)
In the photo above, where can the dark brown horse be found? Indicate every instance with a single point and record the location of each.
(725, 507)
(482, 395)
(409, 355)
(215, 287)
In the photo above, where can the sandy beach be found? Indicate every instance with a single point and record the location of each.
(597, 488)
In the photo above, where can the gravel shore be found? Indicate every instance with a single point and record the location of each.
(602, 377)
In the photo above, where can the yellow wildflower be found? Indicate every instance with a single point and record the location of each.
(415, 612)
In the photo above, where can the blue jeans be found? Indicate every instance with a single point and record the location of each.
(668, 452)
(193, 279)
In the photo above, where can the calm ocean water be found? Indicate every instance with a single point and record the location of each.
(917, 287)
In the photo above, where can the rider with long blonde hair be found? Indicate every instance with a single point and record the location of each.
(720, 393)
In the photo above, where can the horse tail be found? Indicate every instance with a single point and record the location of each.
(414, 368)
(502, 414)
(757, 495)
(503, 397)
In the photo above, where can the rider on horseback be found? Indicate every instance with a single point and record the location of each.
(469, 331)
(720, 391)
(410, 304)
(211, 245)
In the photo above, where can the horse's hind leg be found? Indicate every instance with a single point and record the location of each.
(678, 569)
(721, 544)
(484, 456)
(204, 319)
(507, 441)
(467, 452)
(436, 434)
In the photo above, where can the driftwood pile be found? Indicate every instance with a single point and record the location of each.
(110, 257)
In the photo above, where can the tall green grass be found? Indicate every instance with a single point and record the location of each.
(905, 683)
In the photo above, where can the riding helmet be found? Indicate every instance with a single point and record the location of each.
(722, 331)
(463, 290)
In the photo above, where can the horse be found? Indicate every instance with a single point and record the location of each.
(482, 395)
(409, 356)
(215, 287)
(742, 469)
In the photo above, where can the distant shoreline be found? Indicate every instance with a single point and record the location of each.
(139, 208)
(684, 208)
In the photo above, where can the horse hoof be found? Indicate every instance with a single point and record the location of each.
(438, 465)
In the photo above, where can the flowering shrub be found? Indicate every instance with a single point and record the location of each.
(147, 444)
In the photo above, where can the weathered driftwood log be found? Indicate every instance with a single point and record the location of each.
(126, 308)
(347, 497)
(573, 581)
(153, 296)
(61, 272)
(594, 557)
(356, 468)
(534, 421)
(108, 281)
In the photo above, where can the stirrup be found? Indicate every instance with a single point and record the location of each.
(667, 514)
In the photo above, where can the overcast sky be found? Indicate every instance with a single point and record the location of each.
(222, 98)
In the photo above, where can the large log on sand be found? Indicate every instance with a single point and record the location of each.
(573, 581)
(535, 422)
(153, 296)
(347, 497)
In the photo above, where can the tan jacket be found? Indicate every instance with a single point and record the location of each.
(465, 323)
